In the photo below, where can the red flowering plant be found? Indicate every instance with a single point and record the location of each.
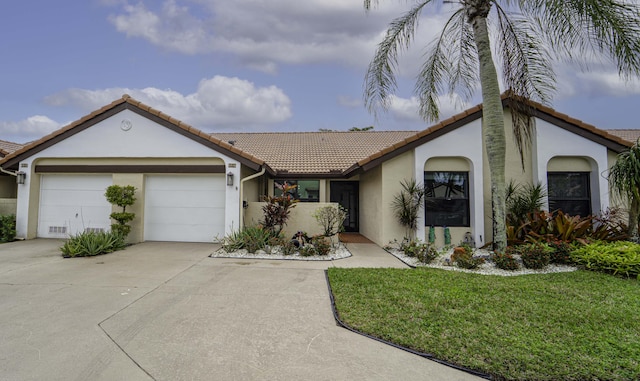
(278, 208)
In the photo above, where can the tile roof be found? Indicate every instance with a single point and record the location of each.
(475, 112)
(127, 103)
(314, 152)
(8, 147)
(630, 135)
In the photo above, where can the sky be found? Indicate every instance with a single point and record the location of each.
(237, 66)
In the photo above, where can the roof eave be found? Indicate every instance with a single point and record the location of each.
(127, 103)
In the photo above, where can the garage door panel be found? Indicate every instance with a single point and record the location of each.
(188, 233)
(71, 203)
(168, 199)
(184, 207)
(65, 198)
(185, 216)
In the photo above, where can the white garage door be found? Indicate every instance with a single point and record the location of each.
(187, 208)
(70, 204)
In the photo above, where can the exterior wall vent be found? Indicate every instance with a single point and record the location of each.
(57, 230)
(93, 230)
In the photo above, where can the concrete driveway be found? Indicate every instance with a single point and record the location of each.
(165, 311)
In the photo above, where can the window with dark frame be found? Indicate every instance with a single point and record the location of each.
(305, 190)
(446, 198)
(569, 192)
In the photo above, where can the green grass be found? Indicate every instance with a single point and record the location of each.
(563, 326)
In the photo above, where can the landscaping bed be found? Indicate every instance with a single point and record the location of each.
(488, 267)
(338, 251)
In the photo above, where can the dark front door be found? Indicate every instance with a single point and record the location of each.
(345, 193)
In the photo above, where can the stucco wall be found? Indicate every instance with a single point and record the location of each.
(8, 206)
(371, 205)
(137, 225)
(300, 219)
(8, 186)
(251, 191)
(568, 164)
(394, 172)
(614, 200)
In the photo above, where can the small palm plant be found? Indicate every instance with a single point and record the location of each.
(624, 180)
(522, 201)
(407, 205)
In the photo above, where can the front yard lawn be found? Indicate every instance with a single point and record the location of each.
(561, 326)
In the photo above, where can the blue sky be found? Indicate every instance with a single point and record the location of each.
(242, 65)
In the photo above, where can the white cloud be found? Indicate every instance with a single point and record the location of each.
(603, 83)
(29, 129)
(407, 109)
(173, 28)
(219, 103)
(263, 35)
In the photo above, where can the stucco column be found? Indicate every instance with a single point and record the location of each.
(232, 198)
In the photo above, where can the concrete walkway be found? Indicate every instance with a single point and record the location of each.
(165, 311)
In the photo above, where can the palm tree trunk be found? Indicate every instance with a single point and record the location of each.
(634, 212)
(492, 119)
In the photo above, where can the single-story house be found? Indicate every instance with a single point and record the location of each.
(197, 186)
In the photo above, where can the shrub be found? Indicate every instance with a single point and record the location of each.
(463, 257)
(319, 246)
(534, 255)
(251, 238)
(92, 243)
(331, 219)
(413, 248)
(617, 258)
(121, 196)
(505, 261)
(427, 256)
(288, 248)
(7, 228)
(561, 253)
(277, 210)
(423, 252)
(523, 200)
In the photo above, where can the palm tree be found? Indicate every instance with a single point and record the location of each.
(624, 180)
(527, 34)
(407, 204)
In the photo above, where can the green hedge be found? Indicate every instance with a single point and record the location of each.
(618, 258)
(7, 228)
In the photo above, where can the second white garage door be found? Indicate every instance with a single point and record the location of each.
(187, 208)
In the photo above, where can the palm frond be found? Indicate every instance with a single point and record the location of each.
(450, 59)
(608, 27)
(624, 175)
(527, 73)
(380, 81)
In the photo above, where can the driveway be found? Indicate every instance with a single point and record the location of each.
(165, 311)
